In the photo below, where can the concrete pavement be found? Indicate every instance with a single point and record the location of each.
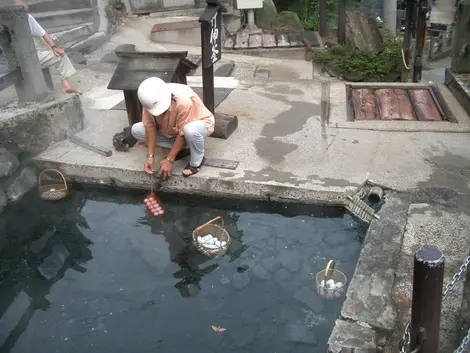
(282, 145)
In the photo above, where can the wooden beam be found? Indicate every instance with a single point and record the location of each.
(90, 146)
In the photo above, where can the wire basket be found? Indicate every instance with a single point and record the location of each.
(217, 231)
(55, 190)
(331, 283)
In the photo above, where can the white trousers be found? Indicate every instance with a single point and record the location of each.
(195, 134)
(62, 63)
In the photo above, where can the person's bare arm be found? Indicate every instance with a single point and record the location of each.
(57, 51)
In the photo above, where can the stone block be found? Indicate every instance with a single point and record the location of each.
(363, 33)
(241, 40)
(269, 40)
(352, 336)
(369, 295)
(225, 125)
(282, 40)
(229, 43)
(266, 17)
(295, 39)
(8, 163)
(21, 184)
(290, 21)
(36, 126)
(255, 41)
(434, 225)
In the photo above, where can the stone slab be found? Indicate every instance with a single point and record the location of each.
(241, 41)
(352, 337)
(282, 40)
(369, 296)
(255, 41)
(34, 127)
(269, 40)
(435, 225)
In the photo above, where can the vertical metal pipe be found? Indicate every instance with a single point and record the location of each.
(427, 295)
(410, 4)
(420, 40)
(323, 19)
(342, 21)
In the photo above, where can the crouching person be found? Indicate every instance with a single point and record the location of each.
(174, 118)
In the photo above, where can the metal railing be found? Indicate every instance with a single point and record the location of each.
(422, 333)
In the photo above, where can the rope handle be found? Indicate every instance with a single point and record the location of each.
(329, 270)
(218, 218)
(55, 171)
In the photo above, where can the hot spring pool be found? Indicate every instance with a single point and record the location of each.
(93, 273)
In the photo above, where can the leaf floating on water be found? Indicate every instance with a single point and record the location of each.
(218, 328)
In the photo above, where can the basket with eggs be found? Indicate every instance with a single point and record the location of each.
(331, 283)
(211, 239)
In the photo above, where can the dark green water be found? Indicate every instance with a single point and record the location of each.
(93, 273)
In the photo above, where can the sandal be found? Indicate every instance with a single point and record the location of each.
(193, 170)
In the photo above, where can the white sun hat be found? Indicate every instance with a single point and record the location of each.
(154, 95)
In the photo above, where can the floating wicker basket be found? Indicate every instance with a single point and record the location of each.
(55, 190)
(217, 231)
(330, 273)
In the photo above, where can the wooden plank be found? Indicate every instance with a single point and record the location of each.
(221, 163)
(91, 146)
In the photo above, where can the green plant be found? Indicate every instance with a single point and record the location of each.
(308, 11)
(373, 67)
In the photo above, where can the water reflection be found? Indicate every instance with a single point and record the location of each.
(193, 265)
(94, 273)
(36, 254)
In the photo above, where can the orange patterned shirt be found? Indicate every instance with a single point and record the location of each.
(186, 106)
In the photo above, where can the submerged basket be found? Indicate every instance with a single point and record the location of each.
(330, 273)
(54, 191)
(217, 231)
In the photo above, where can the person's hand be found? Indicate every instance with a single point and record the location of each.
(166, 167)
(58, 51)
(148, 166)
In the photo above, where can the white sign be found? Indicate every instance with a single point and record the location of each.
(214, 38)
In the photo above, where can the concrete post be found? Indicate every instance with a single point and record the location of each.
(390, 16)
(461, 48)
(21, 52)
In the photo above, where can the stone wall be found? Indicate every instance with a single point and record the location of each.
(439, 43)
(17, 177)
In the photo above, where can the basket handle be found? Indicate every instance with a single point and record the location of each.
(330, 268)
(52, 170)
(218, 218)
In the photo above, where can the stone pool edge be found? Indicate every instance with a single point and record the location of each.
(200, 185)
(369, 315)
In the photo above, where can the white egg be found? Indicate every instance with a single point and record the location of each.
(339, 285)
(330, 282)
(322, 283)
(217, 243)
(210, 246)
(332, 286)
(223, 243)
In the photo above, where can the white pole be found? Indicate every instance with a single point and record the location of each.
(390, 15)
